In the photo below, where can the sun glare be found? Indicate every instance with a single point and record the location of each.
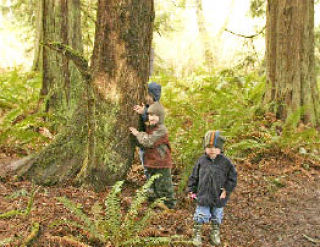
(12, 48)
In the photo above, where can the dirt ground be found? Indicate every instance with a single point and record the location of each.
(276, 203)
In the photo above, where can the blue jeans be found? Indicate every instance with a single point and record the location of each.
(205, 214)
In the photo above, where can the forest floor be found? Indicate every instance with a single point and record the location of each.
(276, 203)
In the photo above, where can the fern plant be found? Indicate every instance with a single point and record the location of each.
(24, 123)
(115, 227)
(18, 116)
(221, 101)
(24, 212)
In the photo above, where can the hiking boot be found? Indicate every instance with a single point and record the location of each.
(215, 234)
(197, 229)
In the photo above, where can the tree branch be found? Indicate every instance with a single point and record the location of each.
(245, 36)
(77, 58)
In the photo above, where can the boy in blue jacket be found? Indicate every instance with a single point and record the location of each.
(213, 179)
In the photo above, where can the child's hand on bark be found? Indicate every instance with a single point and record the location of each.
(139, 109)
(133, 131)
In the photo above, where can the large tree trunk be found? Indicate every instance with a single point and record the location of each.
(58, 21)
(291, 85)
(96, 148)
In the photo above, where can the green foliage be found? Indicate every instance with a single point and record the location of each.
(24, 212)
(228, 102)
(5, 241)
(10, 214)
(257, 8)
(23, 13)
(20, 117)
(23, 10)
(202, 102)
(17, 194)
(117, 227)
(33, 234)
(167, 20)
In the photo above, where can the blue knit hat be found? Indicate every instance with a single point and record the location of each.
(213, 139)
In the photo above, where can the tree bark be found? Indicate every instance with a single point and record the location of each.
(96, 148)
(58, 21)
(291, 85)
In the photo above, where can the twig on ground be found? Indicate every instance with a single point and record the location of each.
(315, 241)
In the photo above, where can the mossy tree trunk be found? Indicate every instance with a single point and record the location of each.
(291, 85)
(96, 148)
(58, 21)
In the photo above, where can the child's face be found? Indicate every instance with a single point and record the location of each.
(213, 152)
(153, 119)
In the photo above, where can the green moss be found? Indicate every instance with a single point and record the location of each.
(11, 214)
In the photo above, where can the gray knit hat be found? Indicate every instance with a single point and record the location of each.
(213, 139)
(157, 109)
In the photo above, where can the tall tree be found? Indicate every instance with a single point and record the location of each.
(291, 82)
(58, 21)
(96, 147)
(204, 35)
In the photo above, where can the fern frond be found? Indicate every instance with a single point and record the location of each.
(67, 241)
(33, 234)
(113, 210)
(11, 213)
(129, 226)
(79, 226)
(89, 224)
(147, 241)
(31, 200)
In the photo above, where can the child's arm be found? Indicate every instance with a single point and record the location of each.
(148, 140)
(231, 182)
(194, 179)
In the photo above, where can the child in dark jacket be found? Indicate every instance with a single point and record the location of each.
(213, 179)
(157, 154)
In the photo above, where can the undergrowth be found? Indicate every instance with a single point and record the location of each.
(21, 115)
(221, 100)
(116, 227)
(232, 104)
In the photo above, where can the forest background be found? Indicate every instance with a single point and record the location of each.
(210, 58)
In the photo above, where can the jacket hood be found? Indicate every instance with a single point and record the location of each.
(155, 90)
